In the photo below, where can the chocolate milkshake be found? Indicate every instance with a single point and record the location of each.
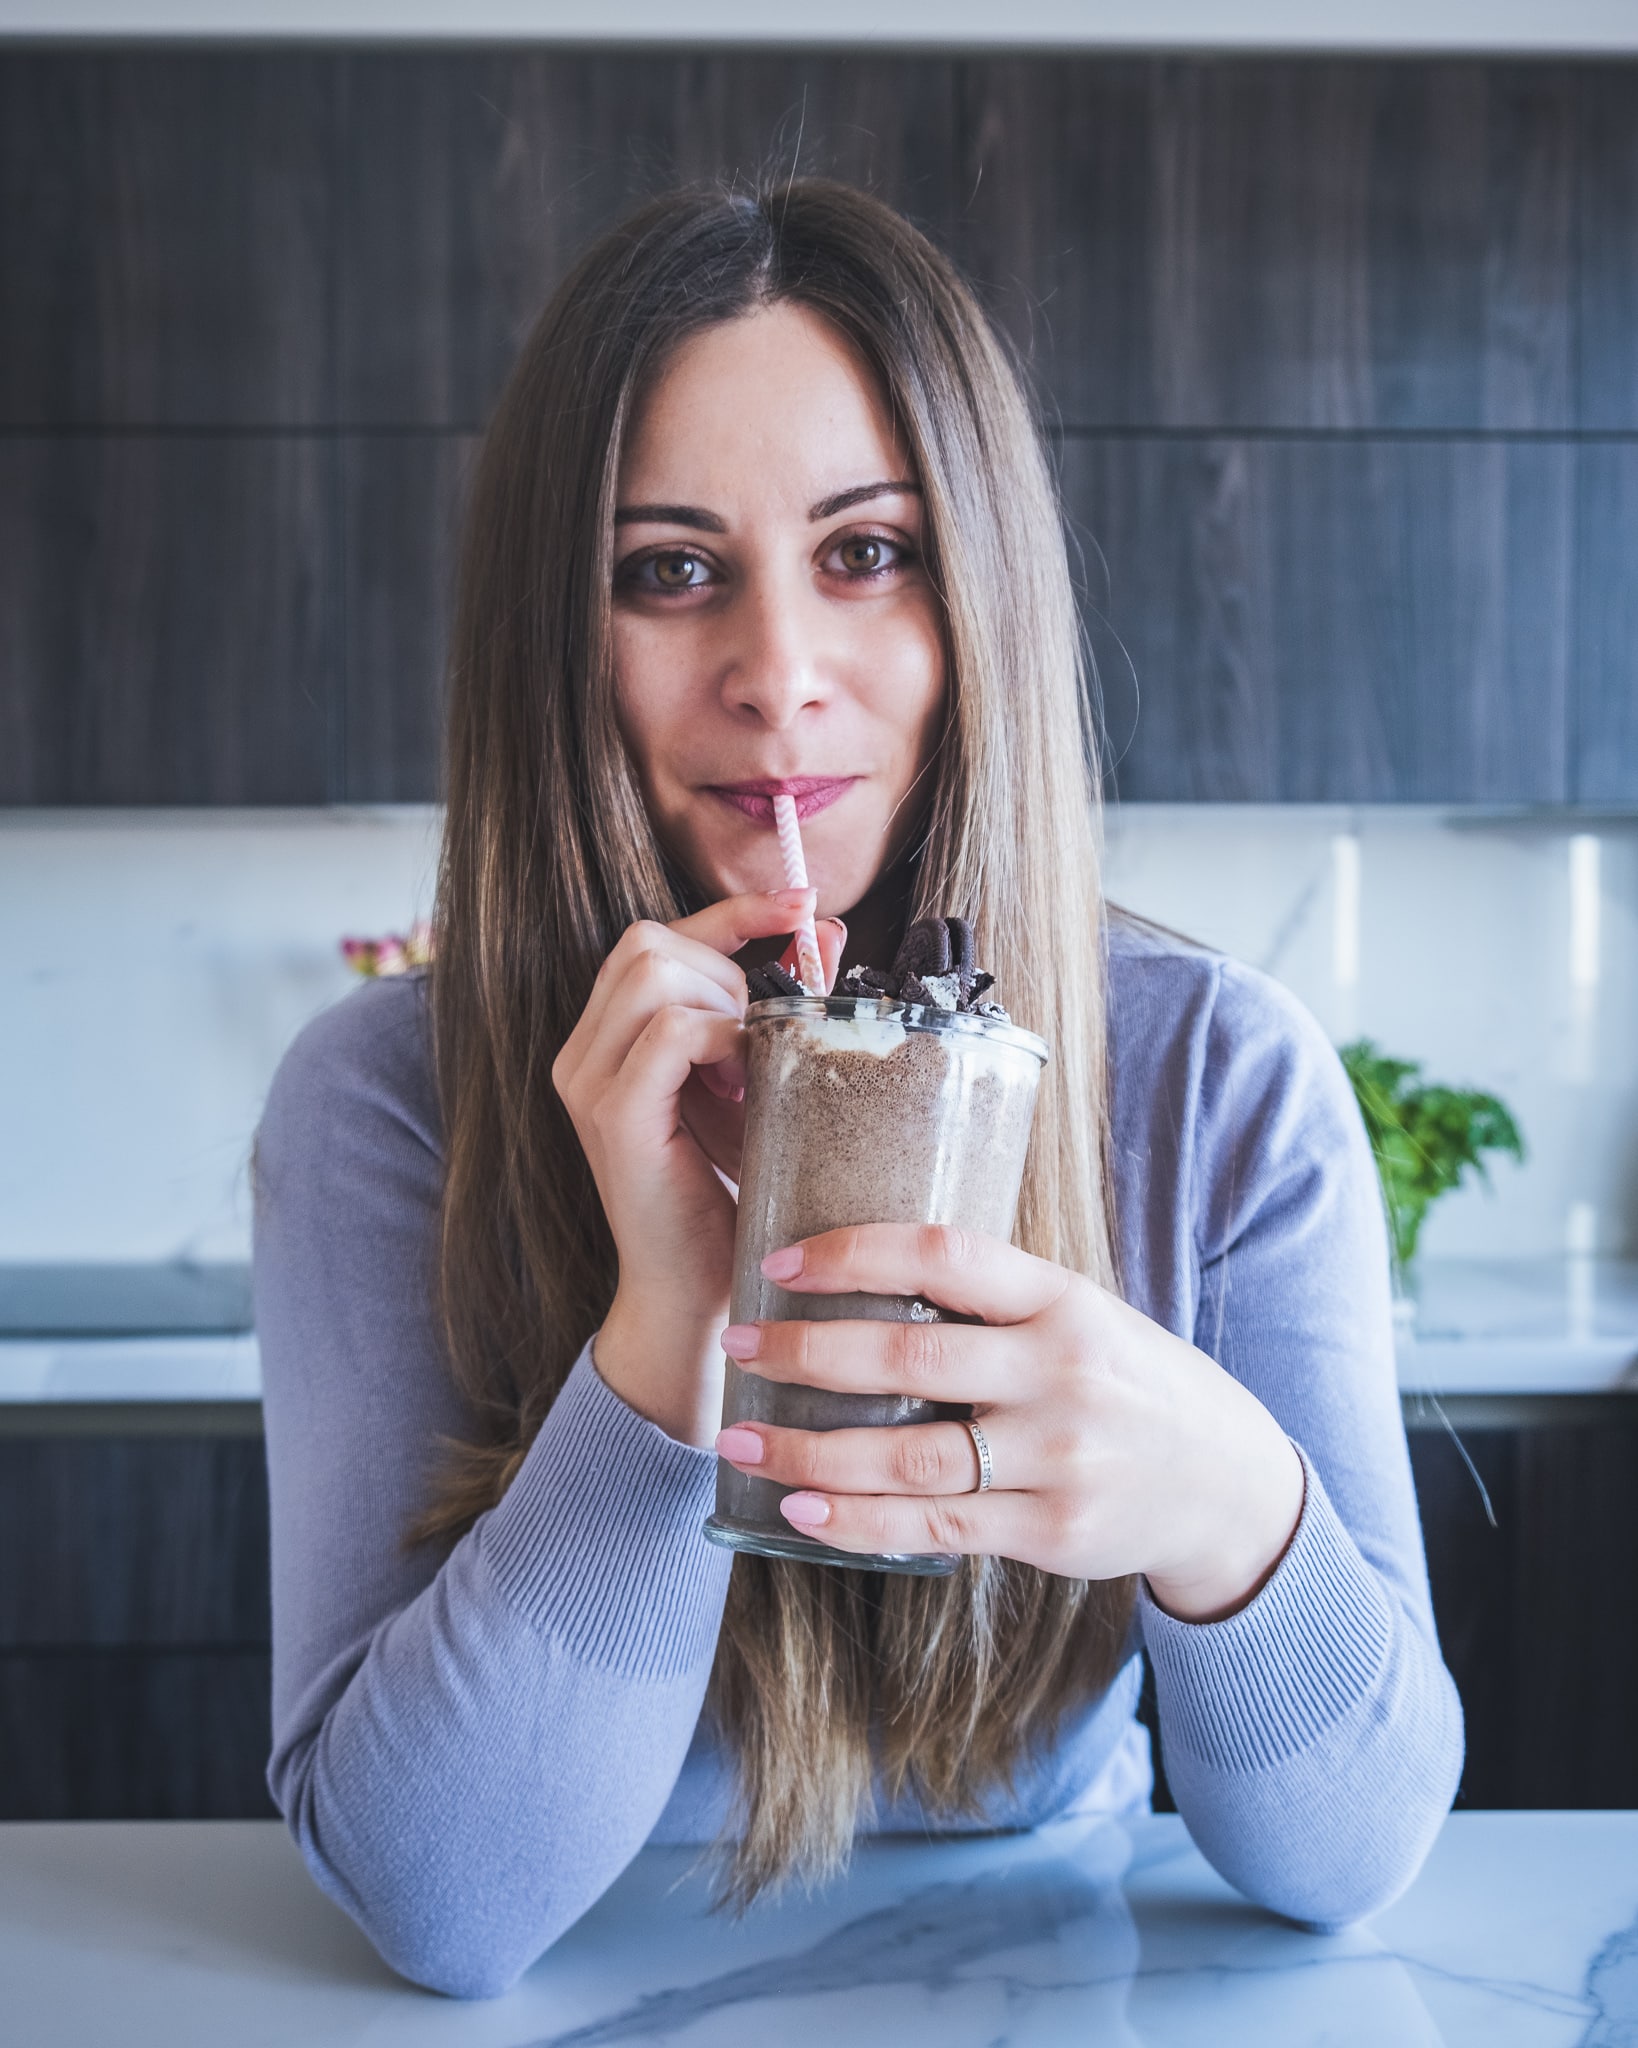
(906, 1099)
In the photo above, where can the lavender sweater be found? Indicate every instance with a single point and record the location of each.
(469, 1749)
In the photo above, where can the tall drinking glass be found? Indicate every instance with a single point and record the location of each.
(861, 1111)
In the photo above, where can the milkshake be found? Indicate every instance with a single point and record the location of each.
(866, 1108)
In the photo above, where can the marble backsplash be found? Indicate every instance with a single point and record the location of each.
(153, 967)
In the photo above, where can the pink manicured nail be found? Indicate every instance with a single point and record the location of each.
(805, 1510)
(740, 1446)
(741, 1340)
(783, 1265)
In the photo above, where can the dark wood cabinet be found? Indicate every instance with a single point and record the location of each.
(1319, 620)
(169, 619)
(403, 499)
(1340, 352)
(135, 1623)
(1535, 1611)
(167, 227)
(135, 1668)
(1604, 704)
(474, 178)
(1279, 244)
(1607, 220)
(135, 1735)
(1533, 1566)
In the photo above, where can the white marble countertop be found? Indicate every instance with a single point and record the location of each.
(1483, 1327)
(1523, 1326)
(224, 1367)
(1521, 1932)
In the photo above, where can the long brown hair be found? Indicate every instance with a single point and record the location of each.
(821, 1676)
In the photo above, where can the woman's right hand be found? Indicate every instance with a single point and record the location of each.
(667, 1009)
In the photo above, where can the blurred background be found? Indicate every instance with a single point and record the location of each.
(1334, 328)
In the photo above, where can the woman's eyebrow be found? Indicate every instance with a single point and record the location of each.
(827, 508)
(669, 515)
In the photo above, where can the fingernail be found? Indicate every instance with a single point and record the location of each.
(796, 899)
(805, 1510)
(783, 1265)
(740, 1446)
(842, 928)
(741, 1340)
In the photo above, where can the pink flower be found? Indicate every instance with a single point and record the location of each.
(396, 953)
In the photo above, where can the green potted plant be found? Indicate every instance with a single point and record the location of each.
(1425, 1137)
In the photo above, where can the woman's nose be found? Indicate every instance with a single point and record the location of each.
(777, 667)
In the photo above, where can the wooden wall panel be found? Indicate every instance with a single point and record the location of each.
(135, 1671)
(134, 1541)
(116, 1735)
(1278, 243)
(404, 497)
(1286, 265)
(1607, 304)
(474, 178)
(1605, 708)
(1577, 1592)
(1331, 620)
(1473, 1573)
(1534, 1613)
(168, 619)
(166, 237)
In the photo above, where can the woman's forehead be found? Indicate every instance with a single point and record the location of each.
(774, 410)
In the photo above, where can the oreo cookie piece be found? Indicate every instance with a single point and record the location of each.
(933, 991)
(764, 984)
(925, 949)
(932, 970)
(961, 949)
(869, 981)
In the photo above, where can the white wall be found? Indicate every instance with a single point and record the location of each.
(152, 968)
(1571, 25)
(1449, 940)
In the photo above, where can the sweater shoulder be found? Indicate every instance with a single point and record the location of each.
(1166, 989)
(363, 1063)
(1226, 1096)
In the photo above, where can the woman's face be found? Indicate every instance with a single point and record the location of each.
(774, 628)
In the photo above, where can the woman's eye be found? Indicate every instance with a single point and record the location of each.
(869, 554)
(676, 572)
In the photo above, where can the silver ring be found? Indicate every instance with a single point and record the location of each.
(981, 1444)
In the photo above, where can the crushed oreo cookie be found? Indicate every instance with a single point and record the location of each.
(765, 983)
(933, 970)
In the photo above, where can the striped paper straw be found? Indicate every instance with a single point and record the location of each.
(812, 975)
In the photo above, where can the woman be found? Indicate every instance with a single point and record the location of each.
(763, 505)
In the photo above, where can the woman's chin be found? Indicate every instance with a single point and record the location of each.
(745, 870)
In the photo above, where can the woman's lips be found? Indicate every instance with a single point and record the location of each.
(813, 793)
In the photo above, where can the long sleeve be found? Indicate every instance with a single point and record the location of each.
(1313, 1741)
(469, 1744)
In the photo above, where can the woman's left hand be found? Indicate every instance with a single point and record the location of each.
(1116, 1447)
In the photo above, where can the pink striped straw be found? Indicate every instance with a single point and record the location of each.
(812, 974)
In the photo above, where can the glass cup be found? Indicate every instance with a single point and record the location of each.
(859, 1110)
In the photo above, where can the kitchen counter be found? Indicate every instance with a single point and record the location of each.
(1521, 1327)
(1522, 1929)
(1490, 1330)
(92, 1335)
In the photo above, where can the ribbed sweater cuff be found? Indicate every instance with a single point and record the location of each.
(1242, 1694)
(597, 1540)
